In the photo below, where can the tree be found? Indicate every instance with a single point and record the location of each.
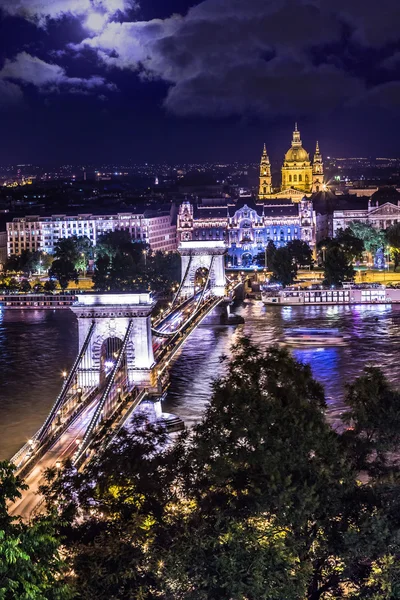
(28, 262)
(64, 271)
(101, 276)
(77, 250)
(50, 286)
(348, 243)
(373, 239)
(283, 267)
(30, 562)
(25, 286)
(261, 500)
(374, 413)
(337, 268)
(270, 251)
(301, 253)
(393, 239)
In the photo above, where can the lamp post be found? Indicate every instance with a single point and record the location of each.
(323, 254)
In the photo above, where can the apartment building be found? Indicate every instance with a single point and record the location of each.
(42, 233)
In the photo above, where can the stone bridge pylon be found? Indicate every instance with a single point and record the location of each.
(209, 255)
(103, 322)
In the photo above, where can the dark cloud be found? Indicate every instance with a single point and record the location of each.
(10, 94)
(229, 57)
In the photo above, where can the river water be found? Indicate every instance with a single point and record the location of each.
(36, 346)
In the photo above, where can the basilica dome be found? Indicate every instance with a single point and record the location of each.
(297, 154)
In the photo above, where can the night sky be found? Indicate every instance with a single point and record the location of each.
(179, 80)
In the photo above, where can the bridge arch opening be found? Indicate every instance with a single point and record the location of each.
(109, 353)
(200, 278)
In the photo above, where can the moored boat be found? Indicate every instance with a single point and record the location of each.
(348, 294)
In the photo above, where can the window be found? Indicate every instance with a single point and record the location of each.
(295, 178)
(300, 178)
(290, 178)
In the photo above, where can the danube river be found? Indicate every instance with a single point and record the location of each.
(36, 346)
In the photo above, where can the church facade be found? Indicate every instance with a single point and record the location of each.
(300, 176)
(278, 215)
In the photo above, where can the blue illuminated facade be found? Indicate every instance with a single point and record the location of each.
(247, 229)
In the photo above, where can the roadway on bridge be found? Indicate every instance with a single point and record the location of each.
(64, 447)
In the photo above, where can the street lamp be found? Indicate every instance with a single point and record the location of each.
(323, 253)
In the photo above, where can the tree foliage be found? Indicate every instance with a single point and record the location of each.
(123, 265)
(337, 267)
(262, 500)
(28, 262)
(393, 239)
(77, 250)
(30, 563)
(283, 267)
(373, 238)
(64, 271)
(301, 253)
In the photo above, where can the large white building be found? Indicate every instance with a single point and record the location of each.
(247, 227)
(381, 210)
(36, 233)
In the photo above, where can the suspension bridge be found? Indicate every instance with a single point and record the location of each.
(123, 357)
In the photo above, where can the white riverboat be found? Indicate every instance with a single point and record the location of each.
(314, 337)
(349, 294)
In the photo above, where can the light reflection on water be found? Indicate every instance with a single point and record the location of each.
(35, 346)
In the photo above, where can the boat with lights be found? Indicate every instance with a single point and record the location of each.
(348, 294)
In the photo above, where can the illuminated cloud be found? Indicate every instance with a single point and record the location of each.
(40, 10)
(29, 69)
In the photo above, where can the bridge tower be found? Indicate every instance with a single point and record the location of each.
(197, 254)
(105, 322)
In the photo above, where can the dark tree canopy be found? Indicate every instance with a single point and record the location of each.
(301, 252)
(337, 267)
(123, 265)
(393, 240)
(64, 271)
(283, 267)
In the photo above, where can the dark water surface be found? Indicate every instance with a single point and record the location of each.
(36, 346)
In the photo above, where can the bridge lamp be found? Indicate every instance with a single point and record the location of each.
(78, 442)
(64, 374)
(30, 442)
(58, 465)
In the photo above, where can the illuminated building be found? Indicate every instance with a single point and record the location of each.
(299, 176)
(381, 210)
(247, 227)
(36, 233)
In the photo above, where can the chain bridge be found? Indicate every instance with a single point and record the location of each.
(123, 357)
